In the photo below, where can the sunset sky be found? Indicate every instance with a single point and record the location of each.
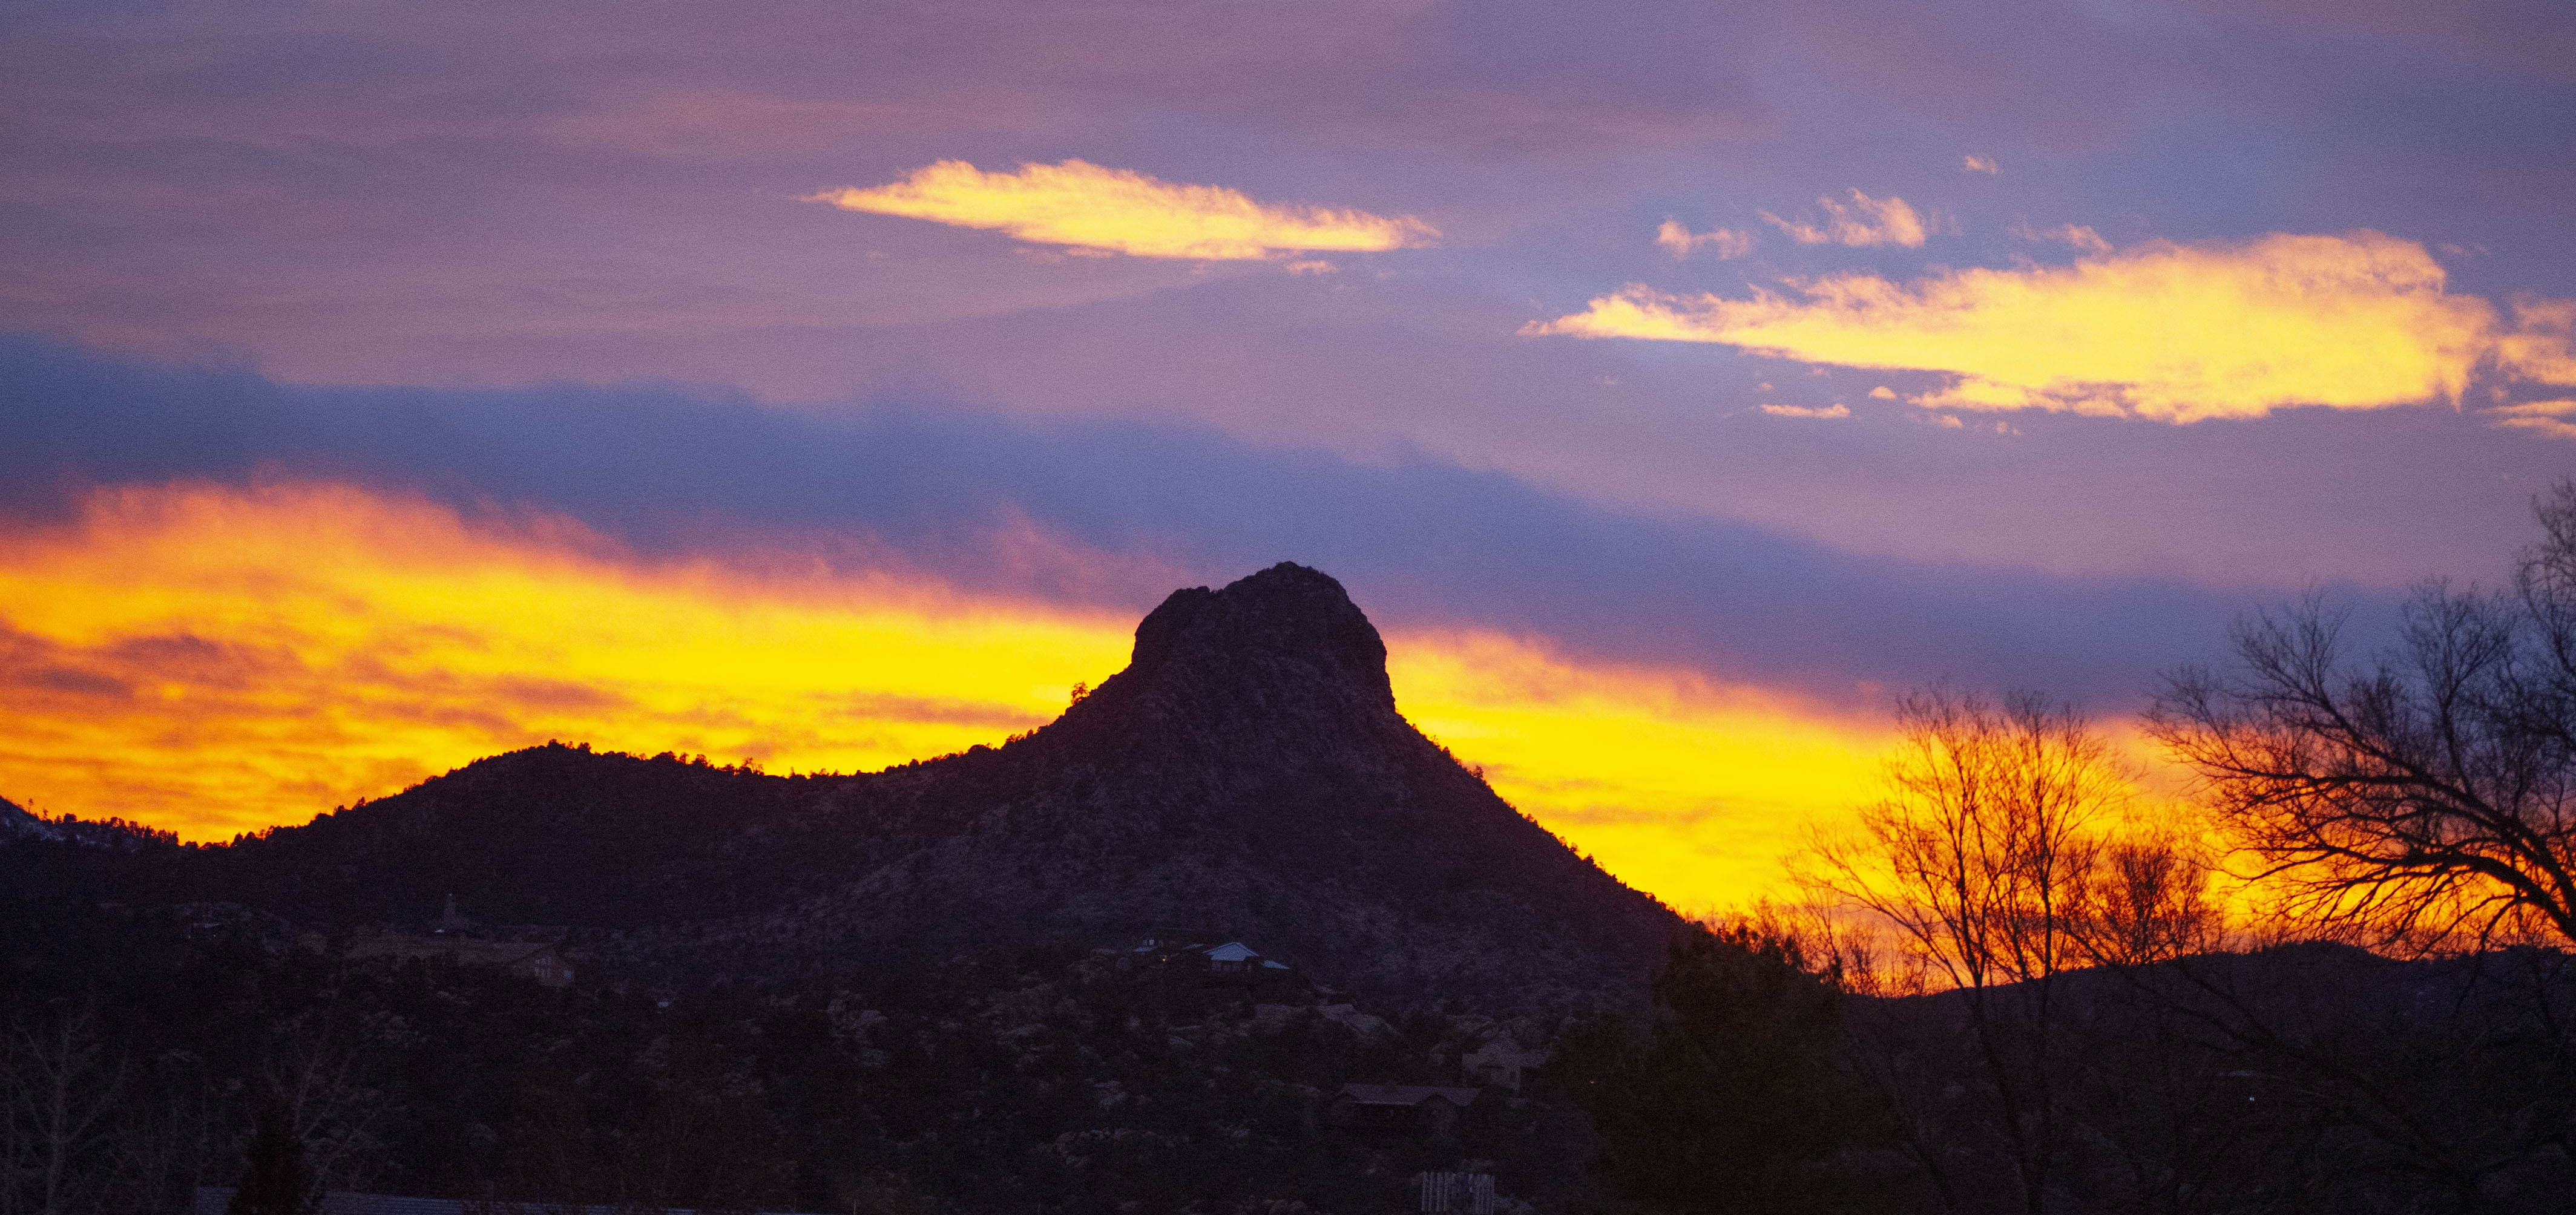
(384, 386)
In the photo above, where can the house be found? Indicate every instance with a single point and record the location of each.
(1399, 1109)
(526, 959)
(451, 937)
(1501, 1062)
(544, 964)
(1171, 955)
(1232, 958)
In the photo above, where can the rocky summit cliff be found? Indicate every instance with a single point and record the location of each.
(1247, 776)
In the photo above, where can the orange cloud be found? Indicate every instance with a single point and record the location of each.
(1973, 163)
(1808, 411)
(2175, 333)
(1867, 221)
(1082, 204)
(1725, 242)
(213, 660)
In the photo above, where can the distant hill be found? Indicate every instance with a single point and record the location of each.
(1247, 776)
(17, 823)
(21, 825)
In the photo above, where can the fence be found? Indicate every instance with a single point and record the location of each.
(1462, 1193)
(213, 1200)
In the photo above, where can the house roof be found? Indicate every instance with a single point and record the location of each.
(1232, 951)
(1504, 1050)
(461, 948)
(1407, 1095)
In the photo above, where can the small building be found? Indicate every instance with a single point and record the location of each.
(1230, 964)
(1233, 957)
(526, 959)
(545, 964)
(1501, 1062)
(1399, 1109)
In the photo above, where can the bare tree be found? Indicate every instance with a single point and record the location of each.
(2147, 899)
(58, 1093)
(1980, 854)
(1979, 860)
(2424, 798)
(176, 1134)
(318, 1070)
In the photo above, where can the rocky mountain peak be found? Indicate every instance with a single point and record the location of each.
(1247, 776)
(1287, 622)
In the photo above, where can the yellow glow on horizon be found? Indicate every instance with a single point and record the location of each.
(2175, 333)
(1687, 788)
(213, 661)
(1083, 204)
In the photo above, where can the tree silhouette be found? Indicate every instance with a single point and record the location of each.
(276, 1180)
(1730, 1100)
(2425, 798)
(1983, 860)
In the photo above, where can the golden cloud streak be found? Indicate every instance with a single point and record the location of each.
(214, 660)
(1082, 204)
(2175, 333)
(1867, 221)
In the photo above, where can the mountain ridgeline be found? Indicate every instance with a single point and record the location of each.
(1246, 776)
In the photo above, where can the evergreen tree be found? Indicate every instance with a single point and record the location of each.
(1729, 1101)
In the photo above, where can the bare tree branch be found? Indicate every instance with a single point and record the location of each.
(2425, 799)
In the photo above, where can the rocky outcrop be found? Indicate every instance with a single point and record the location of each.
(1247, 776)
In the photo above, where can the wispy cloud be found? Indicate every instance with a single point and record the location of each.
(2542, 346)
(1836, 410)
(1866, 221)
(2175, 333)
(1082, 204)
(2081, 237)
(1973, 163)
(1725, 242)
(2557, 419)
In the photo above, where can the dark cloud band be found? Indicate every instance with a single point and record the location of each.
(671, 471)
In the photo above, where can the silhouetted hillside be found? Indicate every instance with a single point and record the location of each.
(1246, 776)
(885, 994)
(549, 835)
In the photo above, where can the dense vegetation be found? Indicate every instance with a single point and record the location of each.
(886, 994)
(1046, 1079)
(2310, 1078)
(2306, 1078)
